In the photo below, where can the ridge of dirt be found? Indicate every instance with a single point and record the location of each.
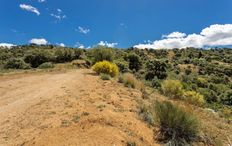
(69, 108)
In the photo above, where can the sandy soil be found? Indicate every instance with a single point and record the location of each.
(69, 108)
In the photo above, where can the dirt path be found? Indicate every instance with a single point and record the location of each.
(69, 108)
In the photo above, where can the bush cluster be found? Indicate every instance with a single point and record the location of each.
(101, 53)
(37, 58)
(46, 65)
(16, 63)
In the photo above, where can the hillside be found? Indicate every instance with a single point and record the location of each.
(51, 95)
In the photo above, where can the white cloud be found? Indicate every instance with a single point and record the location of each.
(174, 35)
(40, 41)
(79, 45)
(41, 1)
(58, 15)
(212, 36)
(59, 10)
(83, 30)
(61, 44)
(29, 8)
(218, 35)
(105, 43)
(6, 45)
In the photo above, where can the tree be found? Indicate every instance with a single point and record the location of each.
(134, 62)
(156, 68)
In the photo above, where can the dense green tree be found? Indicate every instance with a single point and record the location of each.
(156, 68)
(134, 62)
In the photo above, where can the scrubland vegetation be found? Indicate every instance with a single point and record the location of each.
(201, 78)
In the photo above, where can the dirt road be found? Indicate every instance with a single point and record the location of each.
(69, 108)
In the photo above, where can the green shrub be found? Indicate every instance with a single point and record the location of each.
(129, 80)
(188, 71)
(80, 64)
(104, 76)
(218, 88)
(134, 62)
(194, 98)
(129, 143)
(218, 79)
(146, 115)
(177, 127)
(210, 95)
(65, 55)
(78, 54)
(155, 83)
(226, 97)
(46, 65)
(16, 63)
(88, 62)
(106, 67)
(122, 65)
(172, 88)
(156, 68)
(36, 59)
(201, 82)
(102, 53)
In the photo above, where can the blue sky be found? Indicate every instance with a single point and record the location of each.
(121, 23)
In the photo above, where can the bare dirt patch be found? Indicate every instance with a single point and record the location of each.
(69, 108)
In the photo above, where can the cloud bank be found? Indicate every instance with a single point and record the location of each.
(105, 43)
(6, 45)
(29, 8)
(40, 41)
(212, 36)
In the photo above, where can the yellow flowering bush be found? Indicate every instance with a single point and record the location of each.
(194, 98)
(106, 67)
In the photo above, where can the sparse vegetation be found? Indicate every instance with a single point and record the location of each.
(146, 115)
(129, 80)
(196, 76)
